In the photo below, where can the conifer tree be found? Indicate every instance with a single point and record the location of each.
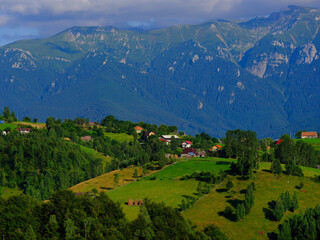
(229, 185)
(285, 232)
(135, 173)
(276, 166)
(294, 202)
(70, 229)
(200, 188)
(278, 210)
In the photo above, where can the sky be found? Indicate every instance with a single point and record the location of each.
(22, 19)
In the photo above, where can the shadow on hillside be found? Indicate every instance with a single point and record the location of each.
(222, 163)
(268, 212)
(221, 190)
(265, 170)
(106, 188)
(234, 202)
(243, 191)
(273, 236)
(243, 178)
(272, 204)
(228, 215)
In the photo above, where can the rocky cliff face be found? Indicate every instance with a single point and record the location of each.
(260, 75)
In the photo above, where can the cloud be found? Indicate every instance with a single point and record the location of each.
(52, 16)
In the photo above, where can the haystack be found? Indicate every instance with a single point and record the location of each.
(130, 202)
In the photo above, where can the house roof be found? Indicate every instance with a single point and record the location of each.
(169, 136)
(86, 138)
(278, 142)
(188, 142)
(306, 134)
(189, 150)
(138, 128)
(23, 129)
(218, 146)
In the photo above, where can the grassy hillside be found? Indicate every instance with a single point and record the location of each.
(165, 186)
(315, 142)
(8, 125)
(35, 125)
(120, 137)
(255, 225)
(106, 181)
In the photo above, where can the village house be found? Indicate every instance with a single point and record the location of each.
(164, 141)
(4, 133)
(189, 152)
(147, 134)
(93, 123)
(168, 137)
(201, 154)
(186, 144)
(309, 135)
(216, 148)
(24, 130)
(86, 138)
(138, 129)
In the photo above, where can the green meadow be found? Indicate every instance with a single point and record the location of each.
(256, 225)
(120, 137)
(8, 125)
(166, 186)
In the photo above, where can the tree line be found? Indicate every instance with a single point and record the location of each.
(93, 216)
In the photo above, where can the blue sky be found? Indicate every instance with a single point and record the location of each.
(20, 19)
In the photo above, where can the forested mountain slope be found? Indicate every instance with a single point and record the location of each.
(260, 75)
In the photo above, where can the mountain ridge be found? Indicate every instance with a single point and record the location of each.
(208, 77)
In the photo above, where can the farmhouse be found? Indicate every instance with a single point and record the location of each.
(168, 137)
(138, 129)
(186, 144)
(309, 135)
(164, 141)
(216, 148)
(147, 134)
(24, 130)
(86, 138)
(189, 152)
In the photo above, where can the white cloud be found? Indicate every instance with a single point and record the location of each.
(51, 16)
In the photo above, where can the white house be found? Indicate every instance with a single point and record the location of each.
(168, 137)
(186, 144)
(24, 130)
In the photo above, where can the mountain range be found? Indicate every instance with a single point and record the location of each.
(261, 75)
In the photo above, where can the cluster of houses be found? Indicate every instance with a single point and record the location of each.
(309, 135)
(188, 151)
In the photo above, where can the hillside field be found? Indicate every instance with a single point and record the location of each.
(8, 125)
(255, 225)
(166, 187)
(120, 137)
(315, 142)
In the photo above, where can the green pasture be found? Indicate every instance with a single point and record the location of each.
(120, 137)
(8, 125)
(309, 140)
(308, 172)
(190, 166)
(254, 226)
(166, 187)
